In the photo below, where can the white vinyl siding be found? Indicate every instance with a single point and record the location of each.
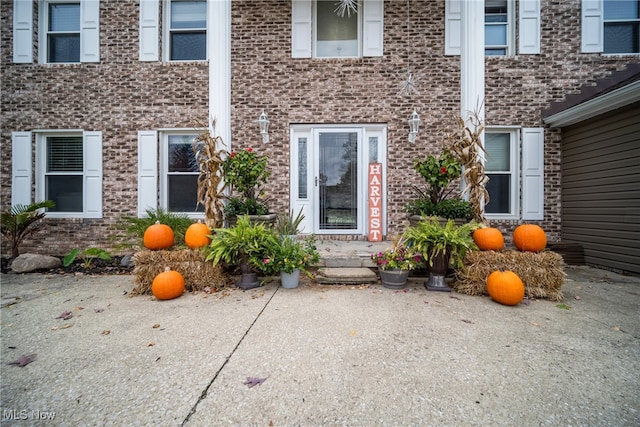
(528, 27)
(21, 168)
(370, 37)
(592, 40)
(533, 173)
(22, 31)
(149, 27)
(147, 172)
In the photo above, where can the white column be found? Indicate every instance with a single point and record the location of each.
(219, 56)
(472, 58)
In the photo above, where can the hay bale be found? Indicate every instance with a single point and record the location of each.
(197, 273)
(542, 273)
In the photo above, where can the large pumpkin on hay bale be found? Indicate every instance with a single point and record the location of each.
(530, 238)
(197, 235)
(505, 287)
(158, 236)
(488, 239)
(167, 285)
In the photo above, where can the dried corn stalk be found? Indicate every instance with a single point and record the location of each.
(209, 157)
(466, 144)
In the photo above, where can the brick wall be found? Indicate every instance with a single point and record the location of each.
(121, 95)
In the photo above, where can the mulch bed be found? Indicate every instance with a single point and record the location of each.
(97, 267)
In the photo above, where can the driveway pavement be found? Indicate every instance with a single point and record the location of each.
(319, 355)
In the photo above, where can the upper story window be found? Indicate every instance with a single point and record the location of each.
(336, 35)
(63, 32)
(179, 178)
(319, 29)
(621, 26)
(187, 30)
(498, 31)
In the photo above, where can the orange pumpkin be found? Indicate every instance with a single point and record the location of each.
(167, 285)
(505, 287)
(197, 235)
(158, 236)
(529, 237)
(488, 239)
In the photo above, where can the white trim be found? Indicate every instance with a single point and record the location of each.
(219, 46)
(594, 107)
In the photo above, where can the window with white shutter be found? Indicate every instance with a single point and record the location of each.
(501, 167)
(321, 29)
(149, 27)
(69, 31)
(21, 168)
(533, 173)
(185, 30)
(500, 27)
(69, 172)
(147, 172)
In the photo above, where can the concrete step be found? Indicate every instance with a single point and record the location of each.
(346, 275)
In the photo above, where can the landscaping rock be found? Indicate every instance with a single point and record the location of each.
(127, 261)
(26, 263)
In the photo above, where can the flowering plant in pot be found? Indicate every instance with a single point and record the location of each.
(438, 172)
(290, 257)
(245, 173)
(395, 263)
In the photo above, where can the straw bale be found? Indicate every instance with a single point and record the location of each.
(198, 274)
(542, 273)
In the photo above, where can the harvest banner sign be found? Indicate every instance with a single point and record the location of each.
(375, 202)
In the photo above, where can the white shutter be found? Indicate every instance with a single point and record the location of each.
(301, 28)
(90, 31)
(533, 173)
(373, 14)
(149, 26)
(23, 31)
(147, 171)
(529, 26)
(92, 191)
(452, 27)
(20, 168)
(592, 26)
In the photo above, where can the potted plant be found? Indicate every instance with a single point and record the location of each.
(438, 172)
(288, 225)
(441, 246)
(395, 263)
(289, 257)
(245, 173)
(245, 243)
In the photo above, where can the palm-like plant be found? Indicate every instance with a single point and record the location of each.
(21, 221)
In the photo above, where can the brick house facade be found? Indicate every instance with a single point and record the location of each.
(118, 96)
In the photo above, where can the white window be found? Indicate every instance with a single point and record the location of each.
(69, 172)
(69, 31)
(508, 178)
(621, 26)
(179, 173)
(500, 27)
(321, 29)
(501, 167)
(186, 30)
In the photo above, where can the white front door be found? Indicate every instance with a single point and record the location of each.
(329, 175)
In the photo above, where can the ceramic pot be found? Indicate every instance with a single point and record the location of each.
(290, 280)
(394, 279)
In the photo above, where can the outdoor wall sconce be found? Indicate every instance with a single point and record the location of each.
(414, 125)
(263, 122)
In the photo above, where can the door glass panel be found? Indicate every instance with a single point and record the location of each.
(302, 168)
(373, 149)
(338, 181)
